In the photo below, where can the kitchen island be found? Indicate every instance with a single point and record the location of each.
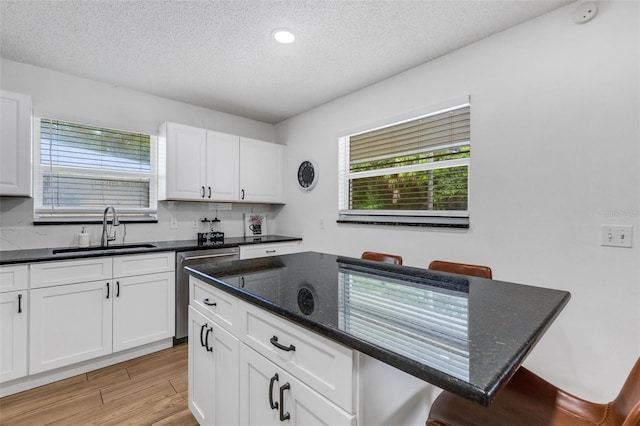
(463, 334)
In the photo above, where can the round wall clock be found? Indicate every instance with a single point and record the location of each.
(307, 175)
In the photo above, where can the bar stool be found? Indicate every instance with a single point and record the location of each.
(530, 400)
(382, 257)
(461, 268)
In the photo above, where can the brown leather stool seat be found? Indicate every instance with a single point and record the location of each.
(461, 268)
(530, 400)
(382, 257)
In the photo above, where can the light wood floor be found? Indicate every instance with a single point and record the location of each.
(150, 390)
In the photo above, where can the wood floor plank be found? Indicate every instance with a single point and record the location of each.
(181, 418)
(180, 383)
(54, 412)
(147, 390)
(119, 409)
(26, 400)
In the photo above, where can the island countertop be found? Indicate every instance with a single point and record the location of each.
(463, 334)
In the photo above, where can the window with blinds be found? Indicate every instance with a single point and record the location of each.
(423, 323)
(82, 169)
(413, 171)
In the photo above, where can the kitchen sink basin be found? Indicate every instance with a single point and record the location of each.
(110, 249)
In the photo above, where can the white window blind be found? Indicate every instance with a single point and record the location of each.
(419, 322)
(82, 169)
(407, 171)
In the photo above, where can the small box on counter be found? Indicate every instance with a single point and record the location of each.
(210, 238)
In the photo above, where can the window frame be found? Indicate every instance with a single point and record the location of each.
(44, 215)
(435, 218)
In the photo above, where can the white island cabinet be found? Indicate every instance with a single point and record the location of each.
(196, 164)
(249, 367)
(15, 144)
(213, 356)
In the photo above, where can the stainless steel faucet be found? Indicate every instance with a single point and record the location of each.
(104, 242)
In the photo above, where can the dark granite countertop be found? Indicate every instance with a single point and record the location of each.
(47, 254)
(464, 334)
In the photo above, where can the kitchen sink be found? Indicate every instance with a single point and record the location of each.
(110, 249)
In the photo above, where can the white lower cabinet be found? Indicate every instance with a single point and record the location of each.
(214, 395)
(69, 324)
(253, 251)
(272, 396)
(76, 321)
(142, 310)
(13, 335)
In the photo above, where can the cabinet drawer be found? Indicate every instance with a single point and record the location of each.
(215, 304)
(272, 249)
(49, 274)
(14, 278)
(141, 264)
(321, 363)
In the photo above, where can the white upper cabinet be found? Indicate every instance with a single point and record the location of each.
(204, 165)
(261, 171)
(15, 144)
(182, 155)
(223, 165)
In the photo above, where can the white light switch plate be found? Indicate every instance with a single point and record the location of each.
(616, 235)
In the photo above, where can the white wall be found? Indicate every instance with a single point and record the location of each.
(66, 97)
(555, 154)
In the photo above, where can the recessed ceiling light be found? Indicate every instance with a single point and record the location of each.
(283, 36)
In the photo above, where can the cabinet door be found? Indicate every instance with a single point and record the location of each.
(186, 156)
(15, 144)
(271, 395)
(261, 171)
(69, 324)
(213, 372)
(143, 309)
(223, 166)
(13, 335)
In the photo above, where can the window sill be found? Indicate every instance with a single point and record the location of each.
(422, 222)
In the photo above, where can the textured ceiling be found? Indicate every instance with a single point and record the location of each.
(219, 54)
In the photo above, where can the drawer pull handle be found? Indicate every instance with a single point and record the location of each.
(107, 290)
(274, 342)
(19, 303)
(272, 404)
(117, 288)
(270, 251)
(209, 303)
(203, 192)
(283, 416)
(209, 192)
(206, 340)
(201, 336)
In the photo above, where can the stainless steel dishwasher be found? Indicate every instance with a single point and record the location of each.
(191, 258)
